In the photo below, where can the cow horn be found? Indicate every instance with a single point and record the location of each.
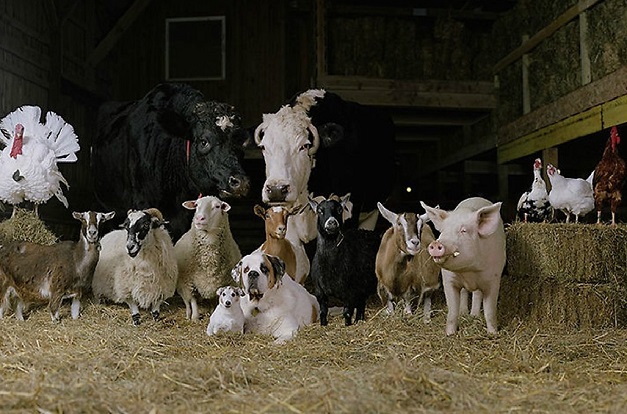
(258, 134)
(316, 139)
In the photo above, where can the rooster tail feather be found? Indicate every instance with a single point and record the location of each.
(62, 138)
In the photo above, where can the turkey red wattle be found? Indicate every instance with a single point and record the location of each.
(18, 140)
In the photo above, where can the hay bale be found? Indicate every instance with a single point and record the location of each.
(565, 274)
(567, 252)
(24, 225)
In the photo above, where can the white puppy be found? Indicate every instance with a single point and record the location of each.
(228, 315)
(273, 304)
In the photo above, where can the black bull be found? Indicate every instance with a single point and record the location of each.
(167, 148)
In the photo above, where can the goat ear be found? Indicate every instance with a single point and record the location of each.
(297, 209)
(436, 215)
(387, 214)
(260, 211)
(77, 215)
(190, 205)
(107, 216)
(236, 272)
(313, 204)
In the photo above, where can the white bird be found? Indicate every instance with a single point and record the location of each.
(570, 195)
(534, 205)
(28, 163)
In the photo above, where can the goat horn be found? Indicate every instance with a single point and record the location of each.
(155, 213)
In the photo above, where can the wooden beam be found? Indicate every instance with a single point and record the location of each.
(588, 122)
(603, 90)
(526, 94)
(116, 33)
(545, 32)
(350, 10)
(425, 94)
(464, 153)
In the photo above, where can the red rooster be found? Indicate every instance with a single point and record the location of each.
(609, 177)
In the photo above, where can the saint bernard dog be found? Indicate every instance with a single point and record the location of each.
(273, 304)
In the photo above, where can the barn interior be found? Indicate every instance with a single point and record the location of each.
(477, 88)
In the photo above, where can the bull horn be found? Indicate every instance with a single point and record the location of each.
(316, 139)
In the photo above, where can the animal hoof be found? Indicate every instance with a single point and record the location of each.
(136, 320)
(155, 315)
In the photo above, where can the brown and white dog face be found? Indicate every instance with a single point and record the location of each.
(258, 273)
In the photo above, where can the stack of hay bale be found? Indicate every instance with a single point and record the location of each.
(573, 276)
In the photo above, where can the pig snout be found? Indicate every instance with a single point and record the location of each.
(439, 252)
(436, 249)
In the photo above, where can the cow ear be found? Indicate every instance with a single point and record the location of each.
(436, 215)
(174, 123)
(488, 219)
(330, 134)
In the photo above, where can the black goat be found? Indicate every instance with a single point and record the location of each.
(343, 266)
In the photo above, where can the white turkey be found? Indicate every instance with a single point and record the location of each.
(28, 163)
(534, 205)
(570, 195)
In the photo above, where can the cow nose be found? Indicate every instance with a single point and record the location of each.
(436, 249)
(239, 184)
(277, 192)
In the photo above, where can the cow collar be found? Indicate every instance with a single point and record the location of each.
(187, 150)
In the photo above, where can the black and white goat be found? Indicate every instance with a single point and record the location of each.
(36, 273)
(343, 266)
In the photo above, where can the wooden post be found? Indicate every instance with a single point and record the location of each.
(586, 75)
(56, 56)
(549, 156)
(525, 79)
(321, 63)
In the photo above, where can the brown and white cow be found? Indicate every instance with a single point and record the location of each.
(350, 146)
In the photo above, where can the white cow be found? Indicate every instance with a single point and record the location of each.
(357, 157)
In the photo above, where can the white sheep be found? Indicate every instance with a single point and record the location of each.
(228, 315)
(206, 253)
(137, 265)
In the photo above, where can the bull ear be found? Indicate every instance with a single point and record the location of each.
(330, 134)
(387, 214)
(488, 219)
(436, 215)
(174, 123)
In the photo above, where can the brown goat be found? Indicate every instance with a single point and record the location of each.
(36, 273)
(276, 244)
(404, 267)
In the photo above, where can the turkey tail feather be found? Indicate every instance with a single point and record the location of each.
(62, 138)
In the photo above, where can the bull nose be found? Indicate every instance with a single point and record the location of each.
(436, 249)
(239, 184)
(277, 192)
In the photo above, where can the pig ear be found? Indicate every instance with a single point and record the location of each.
(436, 215)
(387, 214)
(488, 219)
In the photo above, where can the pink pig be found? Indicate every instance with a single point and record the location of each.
(471, 252)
